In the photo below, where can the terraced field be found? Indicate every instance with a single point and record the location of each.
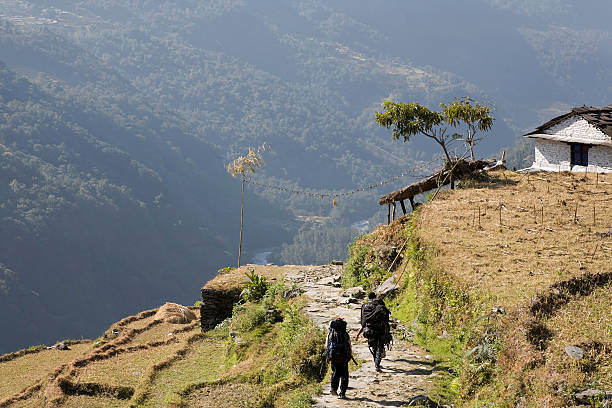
(146, 361)
(119, 369)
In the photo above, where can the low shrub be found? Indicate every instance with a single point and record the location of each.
(301, 400)
(256, 287)
(247, 317)
(364, 267)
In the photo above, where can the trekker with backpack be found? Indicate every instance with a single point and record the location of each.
(375, 327)
(339, 353)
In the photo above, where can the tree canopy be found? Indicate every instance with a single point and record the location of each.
(409, 119)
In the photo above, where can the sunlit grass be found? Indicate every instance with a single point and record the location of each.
(205, 360)
(24, 371)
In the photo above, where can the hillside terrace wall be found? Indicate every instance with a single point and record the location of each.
(216, 306)
(221, 293)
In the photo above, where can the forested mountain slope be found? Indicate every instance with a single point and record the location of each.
(118, 117)
(98, 216)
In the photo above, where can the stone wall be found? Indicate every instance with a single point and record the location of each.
(600, 158)
(553, 155)
(217, 305)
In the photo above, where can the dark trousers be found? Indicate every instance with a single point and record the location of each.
(340, 375)
(377, 348)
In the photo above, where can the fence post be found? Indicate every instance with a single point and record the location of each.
(575, 213)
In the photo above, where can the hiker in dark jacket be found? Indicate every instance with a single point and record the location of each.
(375, 327)
(339, 353)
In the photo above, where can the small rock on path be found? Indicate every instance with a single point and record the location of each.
(407, 370)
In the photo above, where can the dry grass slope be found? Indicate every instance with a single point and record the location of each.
(539, 246)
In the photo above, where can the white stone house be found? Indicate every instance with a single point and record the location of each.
(578, 141)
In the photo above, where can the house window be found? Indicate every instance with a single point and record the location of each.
(579, 155)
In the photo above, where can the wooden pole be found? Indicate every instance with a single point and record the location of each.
(500, 218)
(575, 213)
(388, 214)
(542, 216)
(241, 222)
(412, 202)
(394, 207)
(403, 206)
(479, 226)
(594, 251)
(593, 214)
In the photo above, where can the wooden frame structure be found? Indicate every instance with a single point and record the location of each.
(446, 176)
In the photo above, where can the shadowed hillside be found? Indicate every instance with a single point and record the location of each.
(117, 118)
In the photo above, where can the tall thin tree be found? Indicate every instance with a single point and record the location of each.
(242, 166)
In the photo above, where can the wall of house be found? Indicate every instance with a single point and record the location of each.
(575, 126)
(551, 155)
(600, 159)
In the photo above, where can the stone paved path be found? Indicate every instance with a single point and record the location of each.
(407, 370)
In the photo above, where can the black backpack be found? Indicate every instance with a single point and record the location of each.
(338, 350)
(374, 319)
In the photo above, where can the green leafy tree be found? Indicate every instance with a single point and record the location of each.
(409, 119)
(475, 116)
(241, 167)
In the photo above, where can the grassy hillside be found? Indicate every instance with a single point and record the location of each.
(255, 358)
(498, 300)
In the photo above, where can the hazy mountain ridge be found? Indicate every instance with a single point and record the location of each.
(107, 230)
(145, 100)
(310, 98)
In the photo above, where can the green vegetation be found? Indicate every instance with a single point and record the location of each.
(409, 119)
(277, 348)
(497, 310)
(432, 302)
(256, 287)
(318, 244)
(372, 258)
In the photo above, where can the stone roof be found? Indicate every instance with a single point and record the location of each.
(601, 118)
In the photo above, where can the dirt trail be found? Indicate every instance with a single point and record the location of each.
(407, 370)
